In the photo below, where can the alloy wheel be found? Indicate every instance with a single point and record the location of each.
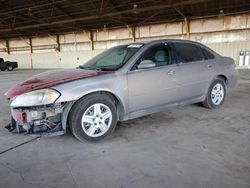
(217, 94)
(96, 120)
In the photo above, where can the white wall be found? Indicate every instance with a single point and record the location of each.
(226, 35)
(230, 49)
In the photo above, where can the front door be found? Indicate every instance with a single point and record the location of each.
(153, 86)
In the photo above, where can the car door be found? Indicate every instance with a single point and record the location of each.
(195, 71)
(153, 86)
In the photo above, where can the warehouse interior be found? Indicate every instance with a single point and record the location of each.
(185, 147)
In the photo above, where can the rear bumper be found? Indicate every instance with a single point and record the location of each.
(233, 80)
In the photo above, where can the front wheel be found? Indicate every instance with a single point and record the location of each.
(216, 94)
(93, 117)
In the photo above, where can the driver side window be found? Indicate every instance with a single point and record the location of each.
(160, 54)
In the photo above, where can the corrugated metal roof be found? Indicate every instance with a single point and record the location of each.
(19, 18)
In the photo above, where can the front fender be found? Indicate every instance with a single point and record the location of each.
(110, 83)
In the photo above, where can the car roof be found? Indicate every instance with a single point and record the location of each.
(166, 40)
(175, 41)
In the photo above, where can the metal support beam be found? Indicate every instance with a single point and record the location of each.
(63, 11)
(7, 46)
(187, 29)
(31, 6)
(131, 31)
(58, 43)
(91, 40)
(30, 45)
(31, 51)
(90, 37)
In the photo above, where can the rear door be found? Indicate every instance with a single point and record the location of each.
(195, 71)
(155, 86)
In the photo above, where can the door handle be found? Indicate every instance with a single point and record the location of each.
(171, 72)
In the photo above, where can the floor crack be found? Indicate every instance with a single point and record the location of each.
(74, 180)
(16, 146)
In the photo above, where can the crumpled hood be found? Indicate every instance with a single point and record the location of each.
(51, 78)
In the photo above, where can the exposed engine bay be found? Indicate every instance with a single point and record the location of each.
(47, 119)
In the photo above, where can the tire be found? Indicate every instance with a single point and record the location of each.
(87, 123)
(216, 94)
(3, 69)
(10, 68)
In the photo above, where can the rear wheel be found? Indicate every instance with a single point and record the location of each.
(216, 94)
(93, 117)
(10, 68)
(3, 69)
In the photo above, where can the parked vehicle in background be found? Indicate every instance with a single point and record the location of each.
(122, 83)
(7, 65)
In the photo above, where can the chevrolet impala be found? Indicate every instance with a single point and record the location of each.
(122, 83)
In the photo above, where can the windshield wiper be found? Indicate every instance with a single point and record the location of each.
(89, 67)
(107, 69)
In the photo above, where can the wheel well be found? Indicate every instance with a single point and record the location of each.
(118, 103)
(223, 77)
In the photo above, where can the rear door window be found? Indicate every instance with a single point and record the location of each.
(186, 52)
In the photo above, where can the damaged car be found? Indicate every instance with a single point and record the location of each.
(122, 83)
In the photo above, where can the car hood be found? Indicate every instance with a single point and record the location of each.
(51, 78)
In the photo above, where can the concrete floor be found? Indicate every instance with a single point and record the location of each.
(186, 147)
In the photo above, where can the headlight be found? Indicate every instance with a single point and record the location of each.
(36, 98)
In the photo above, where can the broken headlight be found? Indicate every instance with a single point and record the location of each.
(36, 98)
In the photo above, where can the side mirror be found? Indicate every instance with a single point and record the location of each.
(145, 64)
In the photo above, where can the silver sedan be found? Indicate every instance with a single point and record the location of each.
(124, 82)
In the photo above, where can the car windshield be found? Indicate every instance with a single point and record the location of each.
(113, 58)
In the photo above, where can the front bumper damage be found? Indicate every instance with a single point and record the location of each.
(48, 119)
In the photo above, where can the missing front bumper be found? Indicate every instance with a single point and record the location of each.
(49, 120)
(14, 127)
